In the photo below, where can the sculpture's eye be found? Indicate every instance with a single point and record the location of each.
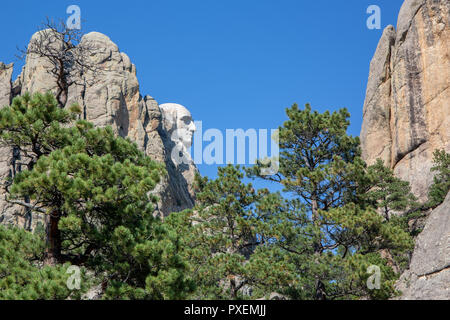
(186, 120)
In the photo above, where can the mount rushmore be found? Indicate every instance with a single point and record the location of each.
(112, 99)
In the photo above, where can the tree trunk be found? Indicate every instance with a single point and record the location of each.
(53, 251)
(61, 97)
(320, 293)
(315, 210)
(233, 289)
(63, 86)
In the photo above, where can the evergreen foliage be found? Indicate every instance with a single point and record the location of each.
(36, 126)
(316, 240)
(22, 275)
(387, 192)
(95, 190)
(441, 184)
(229, 255)
(334, 234)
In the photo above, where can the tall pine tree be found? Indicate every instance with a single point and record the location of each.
(334, 236)
(225, 239)
(95, 191)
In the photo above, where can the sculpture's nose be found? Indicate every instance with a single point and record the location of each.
(192, 127)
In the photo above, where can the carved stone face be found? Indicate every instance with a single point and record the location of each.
(177, 121)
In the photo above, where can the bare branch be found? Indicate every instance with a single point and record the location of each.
(68, 57)
(27, 205)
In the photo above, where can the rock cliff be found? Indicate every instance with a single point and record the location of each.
(5, 83)
(112, 98)
(428, 276)
(407, 109)
(406, 118)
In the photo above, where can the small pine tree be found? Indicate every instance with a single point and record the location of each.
(441, 184)
(387, 192)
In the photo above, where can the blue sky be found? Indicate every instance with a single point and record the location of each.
(234, 64)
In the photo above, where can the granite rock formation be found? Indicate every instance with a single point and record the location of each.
(406, 118)
(6, 154)
(407, 106)
(108, 97)
(5, 83)
(428, 277)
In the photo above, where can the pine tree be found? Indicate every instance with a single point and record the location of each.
(332, 236)
(392, 197)
(387, 192)
(441, 184)
(35, 126)
(95, 190)
(22, 276)
(229, 255)
(96, 193)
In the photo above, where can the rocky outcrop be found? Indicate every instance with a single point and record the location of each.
(407, 109)
(406, 118)
(110, 97)
(5, 84)
(428, 277)
(6, 154)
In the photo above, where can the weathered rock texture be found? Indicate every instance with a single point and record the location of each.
(428, 276)
(6, 154)
(406, 118)
(407, 107)
(5, 83)
(110, 97)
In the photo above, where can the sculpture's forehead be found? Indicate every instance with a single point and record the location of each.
(173, 109)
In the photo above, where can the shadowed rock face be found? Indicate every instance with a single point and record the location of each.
(407, 107)
(406, 118)
(110, 97)
(6, 154)
(428, 276)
